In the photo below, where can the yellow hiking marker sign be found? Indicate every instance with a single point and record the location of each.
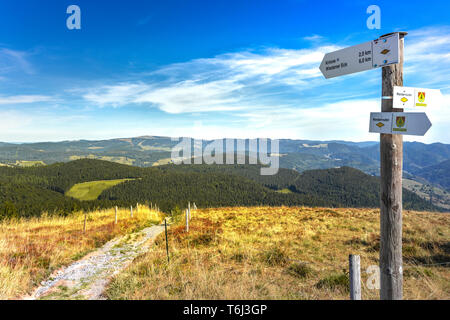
(408, 97)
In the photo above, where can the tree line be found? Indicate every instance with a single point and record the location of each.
(27, 192)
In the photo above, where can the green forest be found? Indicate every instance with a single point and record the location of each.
(28, 192)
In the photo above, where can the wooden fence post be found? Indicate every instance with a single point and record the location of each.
(167, 241)
(189, 210)
(85, 218)
(115, 217)
(355, 277)
(187, 221)
(131, 211)
(137, 207)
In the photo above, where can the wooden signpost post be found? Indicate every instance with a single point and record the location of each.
(391, 169)
(392, 124)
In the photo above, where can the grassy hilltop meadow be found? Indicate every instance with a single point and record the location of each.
(284, 253)
(230, 253)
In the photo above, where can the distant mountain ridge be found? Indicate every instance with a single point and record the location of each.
(300, 155)
(438, 174)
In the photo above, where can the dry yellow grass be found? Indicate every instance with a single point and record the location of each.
(30, 250)
(284, 253)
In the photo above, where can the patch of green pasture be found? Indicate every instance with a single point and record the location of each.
(284, 191)
(92, 189)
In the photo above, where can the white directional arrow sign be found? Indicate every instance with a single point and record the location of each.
(409, 123)
(365, 56)
(408, 97)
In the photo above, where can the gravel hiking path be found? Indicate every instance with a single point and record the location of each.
(86, 279)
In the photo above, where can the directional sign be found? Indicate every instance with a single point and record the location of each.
(386, 50)
(380, 122)
(365, 56)
(410, 123)
(408, 97)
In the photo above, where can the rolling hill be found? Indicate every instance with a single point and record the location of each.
(30, 191)
(438, 174)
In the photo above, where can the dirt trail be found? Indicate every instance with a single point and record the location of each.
(87, 278)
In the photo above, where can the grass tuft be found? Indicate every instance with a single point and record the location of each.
(335, 281)
(300, 270)
(274, 257)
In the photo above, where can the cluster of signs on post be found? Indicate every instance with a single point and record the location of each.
(410, 123)
(375, 54)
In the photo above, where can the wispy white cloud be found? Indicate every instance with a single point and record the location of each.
(11, 120)
(271, 62)
(23, 99)
(270, 78)
(116, 95)
(194, 96)
(40, 125)
(14, 60)
(228, 82)
(427, 56)
(313, 38)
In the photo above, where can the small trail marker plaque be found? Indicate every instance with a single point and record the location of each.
(411, 98)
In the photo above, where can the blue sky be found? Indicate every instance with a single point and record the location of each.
(207, 69)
